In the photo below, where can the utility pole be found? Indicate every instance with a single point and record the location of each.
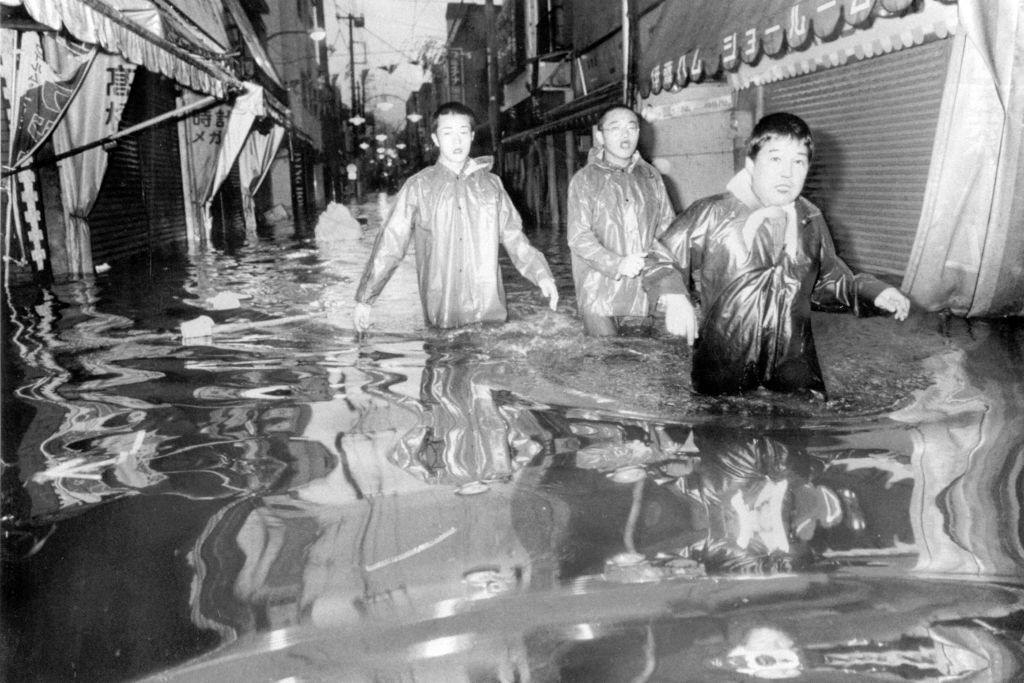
(358, 22)
(328, 121)
(492, 86)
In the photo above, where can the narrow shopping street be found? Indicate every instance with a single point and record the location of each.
(518, 341)
(180, 505)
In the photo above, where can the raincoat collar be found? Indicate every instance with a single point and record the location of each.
(596, 156)
(471, 166)
(741, 187)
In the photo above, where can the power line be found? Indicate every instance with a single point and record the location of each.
(403, 52)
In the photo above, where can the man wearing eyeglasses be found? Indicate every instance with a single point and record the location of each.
(617, 207)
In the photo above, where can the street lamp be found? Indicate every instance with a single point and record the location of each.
(317, 33)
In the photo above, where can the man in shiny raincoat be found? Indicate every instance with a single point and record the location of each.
(458, 213)
(758, 255)
(617, 206)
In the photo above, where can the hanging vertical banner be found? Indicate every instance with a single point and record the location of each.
(38, 89)
(455, 76)
(203, 135)
(93, 115)
(248, 106)
(43, 95)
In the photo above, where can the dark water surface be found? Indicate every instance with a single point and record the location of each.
(279, 501)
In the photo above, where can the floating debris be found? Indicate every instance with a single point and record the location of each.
(472, 488)
(627, 475)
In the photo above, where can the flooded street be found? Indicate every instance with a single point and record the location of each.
(281, 501)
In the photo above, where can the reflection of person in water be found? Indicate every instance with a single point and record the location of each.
(773, 507)
(464, 435)
(749, 503)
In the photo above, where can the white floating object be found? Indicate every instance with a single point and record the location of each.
(102, 267)
(224, 301)
(472, 488)
(627, 559)
(627, 475)
(197, 328)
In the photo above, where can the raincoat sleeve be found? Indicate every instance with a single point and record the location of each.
(582, 240)
(390, 246)
(837, 285)
(526, 258)
(677, 253)
(668, 214)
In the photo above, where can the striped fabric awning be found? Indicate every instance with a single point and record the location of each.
(141, 33)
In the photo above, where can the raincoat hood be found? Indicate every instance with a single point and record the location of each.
(472, 165)
(596, 156)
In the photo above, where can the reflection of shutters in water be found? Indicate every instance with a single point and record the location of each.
(874, 127)
(140, 206)
(228, 228)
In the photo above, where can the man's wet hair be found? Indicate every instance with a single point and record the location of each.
(780, 125)
(614, 107)
(454, 108)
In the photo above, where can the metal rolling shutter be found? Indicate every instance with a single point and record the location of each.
(228, 230)
(118, 224)
(140, 206)
(874, 128)
(165, 194)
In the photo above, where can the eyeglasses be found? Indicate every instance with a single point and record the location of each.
(629, 127)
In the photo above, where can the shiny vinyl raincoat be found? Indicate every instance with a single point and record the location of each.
(756, 290)
(613, 212)
(457, 221)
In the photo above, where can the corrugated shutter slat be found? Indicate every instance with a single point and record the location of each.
(141, 205)
(874, 128)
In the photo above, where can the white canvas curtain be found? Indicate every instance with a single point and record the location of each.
(248, 107)
(969, 253)
(200, 138)
(254, 163)
(94, 114)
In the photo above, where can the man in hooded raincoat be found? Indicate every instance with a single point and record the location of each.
(458, 212)
(758, 255)
(617, 206)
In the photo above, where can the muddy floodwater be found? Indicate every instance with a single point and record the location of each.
(279, 500)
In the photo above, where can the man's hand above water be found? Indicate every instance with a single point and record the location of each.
(631, 265)
(894, 301)
(361, 317)
(680, 316)
(548, 289)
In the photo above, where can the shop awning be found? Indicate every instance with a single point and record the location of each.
(579, 112)
(142, 33)
(206, 15)
(252, 41)
(697, 38)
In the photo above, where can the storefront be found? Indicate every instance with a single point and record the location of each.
(877, 81)
(121, 135)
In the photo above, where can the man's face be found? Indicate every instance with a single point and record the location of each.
(619, 134)
(779, 171)
(453, 138)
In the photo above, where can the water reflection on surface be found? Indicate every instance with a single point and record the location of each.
(281, 501)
